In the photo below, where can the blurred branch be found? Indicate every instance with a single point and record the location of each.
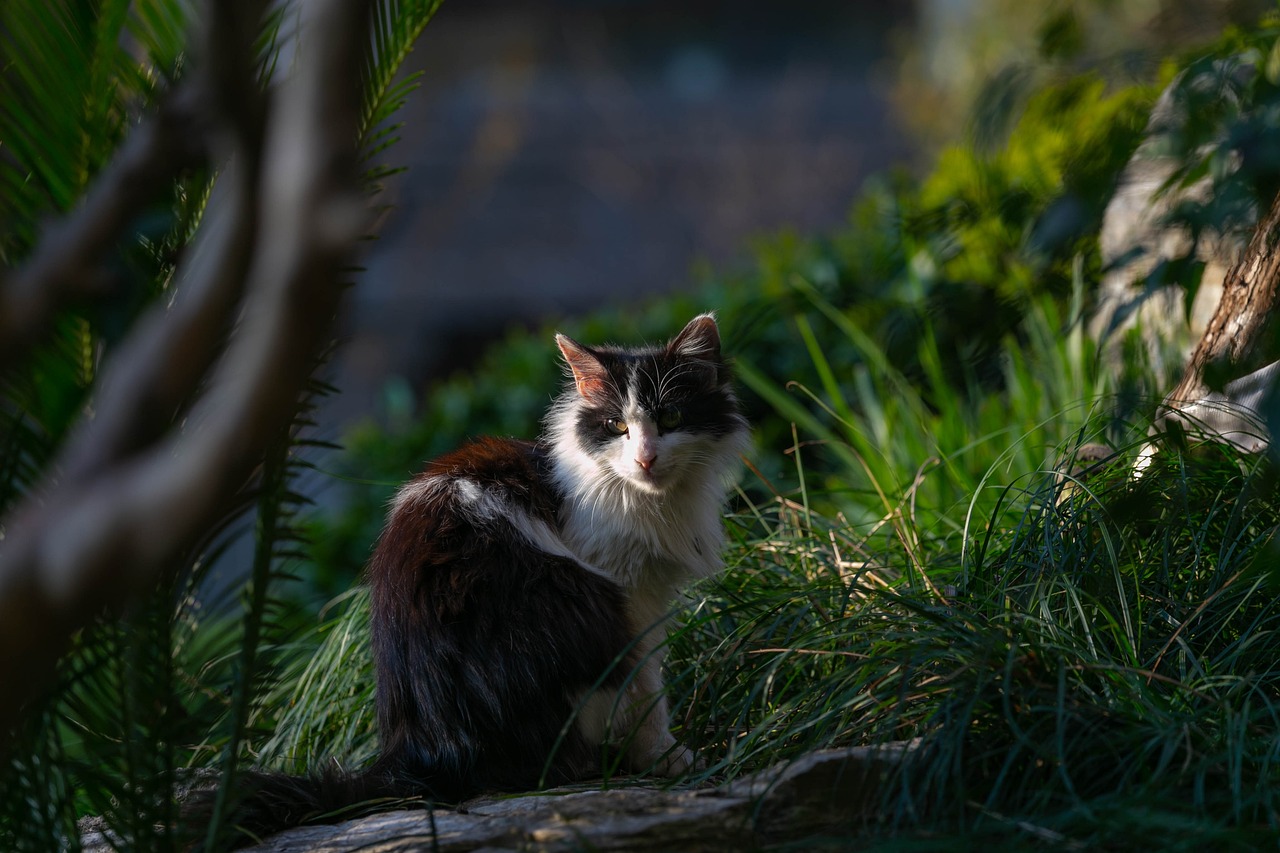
(65, 266)
(156, 370)
(124, 505)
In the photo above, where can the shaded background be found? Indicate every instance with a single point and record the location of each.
(563, 155)
(566, 154)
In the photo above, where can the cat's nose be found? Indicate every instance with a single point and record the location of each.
(647, 464)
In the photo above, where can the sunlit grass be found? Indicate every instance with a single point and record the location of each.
(1079, 658)
(1104, 648)
(1104, 667)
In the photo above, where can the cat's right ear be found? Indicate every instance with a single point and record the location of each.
(699, 339)
(588, 373)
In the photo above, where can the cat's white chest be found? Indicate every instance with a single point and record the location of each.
(651, 551)
(632, 549)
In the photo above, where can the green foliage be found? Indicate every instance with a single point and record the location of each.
(184, 679)
(1079, 660)
(937, 275)
(396, 27)
(69, 91)
(1114, 648)
(972, 65)
(1024, 211)
(328, 697)
(1230, 98)
(878, 443)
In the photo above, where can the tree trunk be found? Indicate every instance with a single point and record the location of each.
(1241, 336)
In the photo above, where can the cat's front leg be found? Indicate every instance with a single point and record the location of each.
(650, 747)
(637, 717)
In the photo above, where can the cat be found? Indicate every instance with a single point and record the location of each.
(519, 588)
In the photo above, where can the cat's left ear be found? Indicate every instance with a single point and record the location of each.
(699, 339)
(589, 374)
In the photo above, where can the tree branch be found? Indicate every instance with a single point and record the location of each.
(1240, 336)
(154, 373)
(101, 538)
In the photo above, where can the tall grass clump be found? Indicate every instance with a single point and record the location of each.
(1103, 668)
(1076, 656)
(925, 458)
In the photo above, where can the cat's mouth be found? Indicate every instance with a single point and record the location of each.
(648, 479)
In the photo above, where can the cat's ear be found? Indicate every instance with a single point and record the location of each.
(699, 339)
(588, 372)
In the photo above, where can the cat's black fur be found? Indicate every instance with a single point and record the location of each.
(481, 642)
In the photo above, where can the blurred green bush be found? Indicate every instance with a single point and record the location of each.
(956, 257)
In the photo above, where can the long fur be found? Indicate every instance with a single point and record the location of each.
(517, 586)
(265, 802)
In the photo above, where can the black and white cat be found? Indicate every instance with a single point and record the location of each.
(519, 588)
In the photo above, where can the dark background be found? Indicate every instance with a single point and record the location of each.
(564, 155)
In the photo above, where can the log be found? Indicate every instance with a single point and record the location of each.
(835, 791)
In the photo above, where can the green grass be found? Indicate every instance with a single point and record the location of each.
(1113, 648)
(1084, 662)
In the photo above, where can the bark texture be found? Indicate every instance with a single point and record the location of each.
(1240, 337)
(833, 792)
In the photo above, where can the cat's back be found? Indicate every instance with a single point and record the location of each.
(482, 473)
(488, 490)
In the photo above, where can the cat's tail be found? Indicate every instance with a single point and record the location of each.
(265, 803)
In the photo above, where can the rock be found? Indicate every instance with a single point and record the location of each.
(1142, 236)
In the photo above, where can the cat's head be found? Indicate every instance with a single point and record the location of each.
(651, 417)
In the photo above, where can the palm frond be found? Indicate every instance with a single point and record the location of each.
(66, 92)
(39, 404)
(43, 107)
(397, 24)
(271, 530)
(161, 27)
(38, 810)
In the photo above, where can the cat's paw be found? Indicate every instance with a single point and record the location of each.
(677, 761)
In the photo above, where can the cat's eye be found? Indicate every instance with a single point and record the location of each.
(616, 426)
(669, 417)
